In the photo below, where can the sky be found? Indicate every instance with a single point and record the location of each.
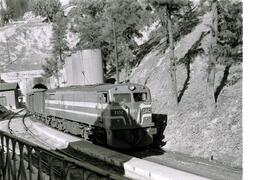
(64, 2)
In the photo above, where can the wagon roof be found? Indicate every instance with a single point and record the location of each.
(98, 87)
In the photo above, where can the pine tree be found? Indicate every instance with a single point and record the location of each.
(14, 9)
(94, 22)
(46, 8)
(226, 44)
(59, 39)
(212, 59)
(166, 9)
(125, 20)
(229, 38)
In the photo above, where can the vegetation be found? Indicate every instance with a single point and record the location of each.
(59, 39)
(14, 10)
(60, 47)
(48, 8)
(226, 43)
(51, 68)
(112, 26)
(124, 18)
(170, 13)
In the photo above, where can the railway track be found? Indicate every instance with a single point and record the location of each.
(27, 131)
(100, 169)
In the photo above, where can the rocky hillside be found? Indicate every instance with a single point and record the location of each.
(190, 130)
(24, 44)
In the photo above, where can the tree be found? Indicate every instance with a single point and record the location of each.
(229, 38)
(59, 39)
(50, 68)
(212, 59)
(48, 8)
(60, 47)
(125, 19)
(167, 8)
(14, 9)
(94, 22)
(226, 44)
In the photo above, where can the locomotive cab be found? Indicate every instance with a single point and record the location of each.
(130, 116)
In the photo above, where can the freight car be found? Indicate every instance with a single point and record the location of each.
(116, 115)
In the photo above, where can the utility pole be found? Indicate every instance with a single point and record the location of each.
(116, 54)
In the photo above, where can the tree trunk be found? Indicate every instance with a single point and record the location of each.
(116, 54)
(172, 58)
(212, 61)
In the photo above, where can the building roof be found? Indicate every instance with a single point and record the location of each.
(8, 86)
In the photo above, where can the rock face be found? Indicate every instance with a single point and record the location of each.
(24, 45)
(190, 129)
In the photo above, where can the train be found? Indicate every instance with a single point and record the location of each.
(116, 115)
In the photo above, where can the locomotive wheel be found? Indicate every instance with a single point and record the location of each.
(54, 123)
(60, 126)
(48, 120)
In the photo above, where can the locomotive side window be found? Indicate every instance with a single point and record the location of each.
(124, 97)
(104, 98)
(140, 97)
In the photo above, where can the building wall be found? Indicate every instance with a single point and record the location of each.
(11, 99)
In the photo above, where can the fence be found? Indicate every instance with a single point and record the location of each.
(22, 160)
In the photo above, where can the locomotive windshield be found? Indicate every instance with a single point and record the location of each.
(140, 97)
(122, 98)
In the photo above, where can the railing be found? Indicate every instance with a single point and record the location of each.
(22, 160)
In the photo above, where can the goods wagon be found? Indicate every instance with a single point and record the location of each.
(116, 115)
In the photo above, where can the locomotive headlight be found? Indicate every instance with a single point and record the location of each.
(132, 87)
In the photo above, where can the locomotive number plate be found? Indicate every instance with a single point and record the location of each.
(117, 112)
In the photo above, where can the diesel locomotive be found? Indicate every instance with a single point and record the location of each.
(117, 115)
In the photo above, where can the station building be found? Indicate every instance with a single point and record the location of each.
(9, 93)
